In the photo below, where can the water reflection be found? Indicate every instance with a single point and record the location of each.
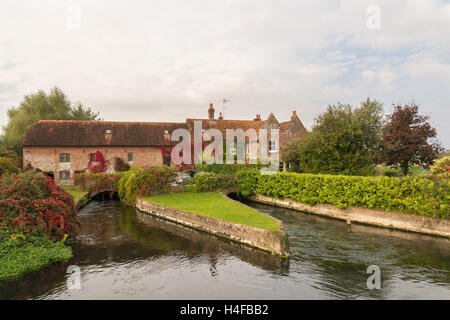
(125, 254)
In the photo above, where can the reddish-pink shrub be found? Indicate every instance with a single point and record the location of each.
(30, 201)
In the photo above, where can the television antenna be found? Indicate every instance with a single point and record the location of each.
(225, 100)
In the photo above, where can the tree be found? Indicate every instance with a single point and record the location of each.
(41, 106)
(408, 139)
(343, 140)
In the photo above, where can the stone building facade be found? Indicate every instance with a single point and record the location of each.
(64, 148)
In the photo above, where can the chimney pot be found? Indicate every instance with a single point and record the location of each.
(294, 114)
(211, 112)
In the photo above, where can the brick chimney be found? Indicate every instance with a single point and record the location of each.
(108, 136)
(220, 116)
(211, 112)
(258, 117)
(294, 114)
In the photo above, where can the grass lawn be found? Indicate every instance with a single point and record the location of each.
(215, 205)
(73, 190)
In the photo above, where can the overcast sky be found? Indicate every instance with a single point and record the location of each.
(167, 60)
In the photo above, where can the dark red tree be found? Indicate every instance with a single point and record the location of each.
(409, 139)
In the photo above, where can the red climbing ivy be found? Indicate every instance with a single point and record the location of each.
(98, 166)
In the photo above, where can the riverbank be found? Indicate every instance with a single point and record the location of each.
(392, 220)
(80, 197)
(216, 214)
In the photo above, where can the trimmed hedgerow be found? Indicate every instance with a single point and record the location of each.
(209, 181)
(144, 182)
(96, 182)
(225, 168)
(421, 196)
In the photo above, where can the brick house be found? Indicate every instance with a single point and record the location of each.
(63, 148)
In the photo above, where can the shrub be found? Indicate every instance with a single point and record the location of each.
(20, 254)
(209, 181)
(225, 168)
(96, 182)
(120, 165)
(441, 167)
(204, 182)
(226, 181)
(247, 182)
(31, 202)
(144, 182)
(420, 196)
(7, 165)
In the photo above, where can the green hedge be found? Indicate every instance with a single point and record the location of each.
(144, 182)
(421, 196)
(225, 168)
(209, 181)
(96, 182)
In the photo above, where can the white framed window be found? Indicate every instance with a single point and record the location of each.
(273, 146)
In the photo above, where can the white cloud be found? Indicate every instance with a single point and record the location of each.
(166, 60)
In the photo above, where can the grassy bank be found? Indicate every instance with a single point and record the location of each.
(20, 255)
(215, 205)
(75, 192)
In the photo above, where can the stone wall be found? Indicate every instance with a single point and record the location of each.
(392, 220)
(47, 159)
(275, 242)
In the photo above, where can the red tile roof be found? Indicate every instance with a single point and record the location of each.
(94, 133)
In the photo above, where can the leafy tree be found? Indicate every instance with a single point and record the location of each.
(41, 106)
(409, 139)
(343, 140)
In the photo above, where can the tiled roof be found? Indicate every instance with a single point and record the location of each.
(222, 125)
(94, 133)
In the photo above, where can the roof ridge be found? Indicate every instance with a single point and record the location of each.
(118, 122)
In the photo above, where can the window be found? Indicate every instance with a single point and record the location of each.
(130, 156)
(93, 157)
(64, 157)
(64, 175)
(272, 146)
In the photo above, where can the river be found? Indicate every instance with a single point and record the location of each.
(125, 254)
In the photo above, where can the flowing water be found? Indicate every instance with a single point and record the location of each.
(125, 254)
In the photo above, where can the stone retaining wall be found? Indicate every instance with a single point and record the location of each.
(275, 242)
(393, 220)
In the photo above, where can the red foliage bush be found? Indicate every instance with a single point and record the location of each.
(31, 202)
